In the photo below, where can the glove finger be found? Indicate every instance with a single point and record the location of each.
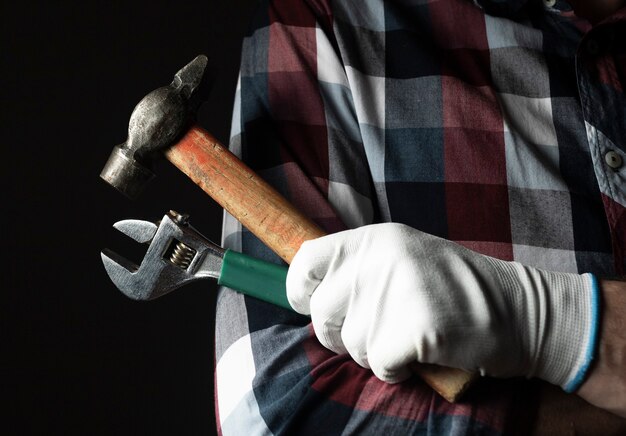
(328, 311)
(375, 338)
(389, 362)
(306, 272)
(379, 330)
(311, 264)
(354, 336)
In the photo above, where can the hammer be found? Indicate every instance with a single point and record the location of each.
(162, 124)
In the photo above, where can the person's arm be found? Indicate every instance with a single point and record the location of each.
(390, 295)
(605, 386)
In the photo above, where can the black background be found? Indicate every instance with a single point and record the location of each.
(78, 357)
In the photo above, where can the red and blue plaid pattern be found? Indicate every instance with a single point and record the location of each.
(485, 123)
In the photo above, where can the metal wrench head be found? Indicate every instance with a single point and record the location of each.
(178, 254)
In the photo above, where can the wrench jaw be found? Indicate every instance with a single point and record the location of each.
(177, 255)
(126, 276)
(140, 231)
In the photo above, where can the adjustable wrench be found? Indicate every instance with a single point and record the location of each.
(178, 254)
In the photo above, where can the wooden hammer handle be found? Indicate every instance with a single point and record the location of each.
(247, 197)
(271, 218)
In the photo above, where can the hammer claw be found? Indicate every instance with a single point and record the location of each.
(189, 78)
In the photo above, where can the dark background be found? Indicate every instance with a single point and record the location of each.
(77, 356)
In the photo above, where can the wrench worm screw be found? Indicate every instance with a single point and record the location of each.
(182, 255)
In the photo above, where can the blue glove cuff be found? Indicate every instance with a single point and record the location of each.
(590, 354)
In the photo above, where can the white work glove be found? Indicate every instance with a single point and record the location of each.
(390, 295)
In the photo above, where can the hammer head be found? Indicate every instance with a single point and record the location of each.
(157, 121)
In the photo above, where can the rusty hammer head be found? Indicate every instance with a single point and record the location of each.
(157, 121)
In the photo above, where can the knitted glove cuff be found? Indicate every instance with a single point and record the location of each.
(558, 314)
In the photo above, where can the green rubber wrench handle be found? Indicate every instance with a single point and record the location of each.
(255, 277)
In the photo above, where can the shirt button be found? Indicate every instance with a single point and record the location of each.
(613, 160)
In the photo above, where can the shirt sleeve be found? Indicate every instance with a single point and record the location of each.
(305, 121)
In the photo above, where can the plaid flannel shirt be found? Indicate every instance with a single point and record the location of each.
(499, 125)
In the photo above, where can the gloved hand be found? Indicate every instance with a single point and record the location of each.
(390, 295)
